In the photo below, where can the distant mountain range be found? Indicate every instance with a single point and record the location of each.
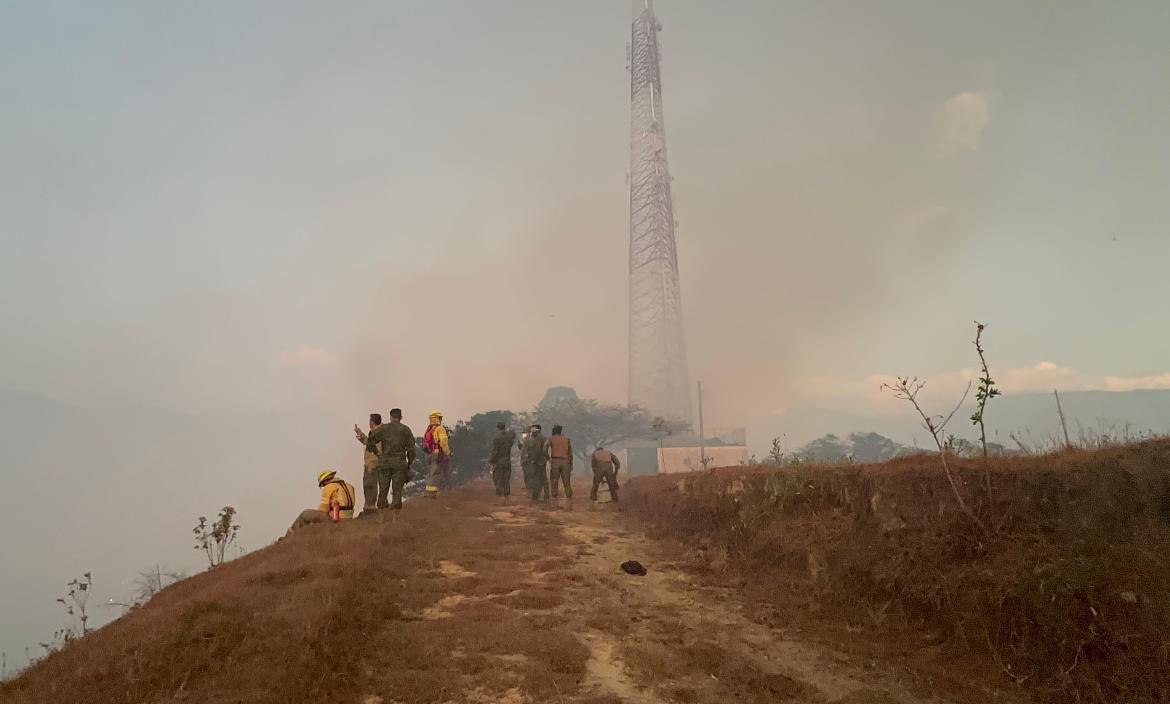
(1029, 418)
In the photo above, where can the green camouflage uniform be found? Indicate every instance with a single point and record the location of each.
(605, 468)
(394, 443)
(560, 468)
(524, 461)
(535, 459)
(501, 461)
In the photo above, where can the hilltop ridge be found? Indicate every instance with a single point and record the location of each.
(858, 583)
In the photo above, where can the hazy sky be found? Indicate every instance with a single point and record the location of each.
(263, 220)
(423, 204)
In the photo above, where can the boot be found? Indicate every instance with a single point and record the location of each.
(569, 503)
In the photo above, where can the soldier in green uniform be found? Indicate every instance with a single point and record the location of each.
(560, 454)
(523, 455)
(501, 461)
(394, 443)
(605, 469)
(535, 457)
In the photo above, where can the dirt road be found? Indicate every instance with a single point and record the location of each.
(528, 604)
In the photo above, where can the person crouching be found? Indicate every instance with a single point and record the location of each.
(337, 500)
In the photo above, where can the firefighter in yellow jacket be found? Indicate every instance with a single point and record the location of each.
(437, 448)
(337, 500)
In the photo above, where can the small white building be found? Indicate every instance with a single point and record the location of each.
(672, 460)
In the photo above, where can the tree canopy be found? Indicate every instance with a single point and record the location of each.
(556, 394)
(471, 441)
(591, 424)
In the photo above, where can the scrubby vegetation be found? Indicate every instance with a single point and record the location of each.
(1066, 593)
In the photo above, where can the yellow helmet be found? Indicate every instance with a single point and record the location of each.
(325, 476)
(436, 414)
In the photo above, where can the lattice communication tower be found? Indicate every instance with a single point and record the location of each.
(659, 380)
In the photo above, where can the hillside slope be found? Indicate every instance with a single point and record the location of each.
(1066, 593)
(848, 584)
(457, 601)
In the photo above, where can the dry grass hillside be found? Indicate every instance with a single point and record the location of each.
(322, 616)
(1066, 596)
(822, 584)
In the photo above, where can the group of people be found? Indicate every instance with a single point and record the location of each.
(547, 463)
(389, 454)
(554, 452)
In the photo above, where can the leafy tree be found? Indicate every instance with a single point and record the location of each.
(557, 394)
(872, 447)
(963, 447)
(828, 448)
(856, 447)
(471, 442)
(591, 424)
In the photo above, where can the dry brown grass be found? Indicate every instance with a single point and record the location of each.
(1068, 600)
(657, 660)
(532, 600)
(551, 564)
(325, 615)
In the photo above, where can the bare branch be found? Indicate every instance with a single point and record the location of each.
(957, 407)
(907, 389)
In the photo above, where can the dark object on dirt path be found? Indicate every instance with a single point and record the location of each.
(634, 567)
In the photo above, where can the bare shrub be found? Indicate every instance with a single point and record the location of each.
(776, 453)
(74, 603)
(215, 538)
(907, 389)
(153, 581)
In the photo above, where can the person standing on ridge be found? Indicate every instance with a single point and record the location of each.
(501, 461)
(337, 500)
(560, 454)
(394, 443)
(605, 468)
(437, 447)
(535, 455)
(370, 468)
(523, 457)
